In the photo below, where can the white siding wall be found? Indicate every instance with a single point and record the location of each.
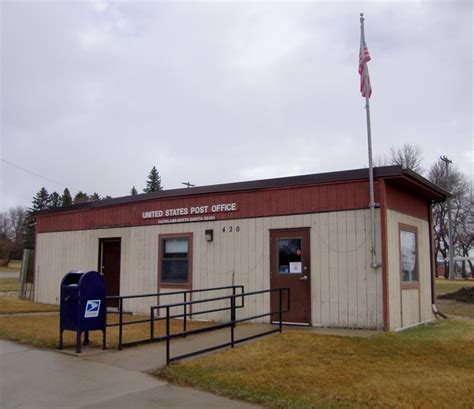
(346, 292)
(408, 306)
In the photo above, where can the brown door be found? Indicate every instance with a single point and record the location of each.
(290, 268)
(109, 266)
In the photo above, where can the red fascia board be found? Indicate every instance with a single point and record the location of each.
(418, 185)
(437, 191)
(331, 178)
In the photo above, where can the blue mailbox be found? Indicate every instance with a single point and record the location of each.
(82, 307)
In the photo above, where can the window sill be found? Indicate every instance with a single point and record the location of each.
(410, 285)
(175, 285)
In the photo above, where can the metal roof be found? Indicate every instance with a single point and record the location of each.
(274, 183)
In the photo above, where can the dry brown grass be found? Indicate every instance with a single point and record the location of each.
(9, 284)
(454, 308)
(13, 265)
(451, 307)
(43, 330)
(425, 367)
(13, 305)
(450, 286)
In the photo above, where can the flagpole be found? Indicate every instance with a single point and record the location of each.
(374, 263)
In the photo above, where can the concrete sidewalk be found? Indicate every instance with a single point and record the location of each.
(33, 378)
(9, 274)
(40, 379)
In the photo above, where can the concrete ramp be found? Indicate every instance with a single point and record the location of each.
(147, 358)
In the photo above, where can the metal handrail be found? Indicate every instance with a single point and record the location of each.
(228, 324)
(197, 290)
(184, 293)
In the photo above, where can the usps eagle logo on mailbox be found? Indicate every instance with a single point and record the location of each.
(92, 309)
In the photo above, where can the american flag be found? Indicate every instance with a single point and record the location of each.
(364, 58)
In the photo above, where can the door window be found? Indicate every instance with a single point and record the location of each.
(289, 256)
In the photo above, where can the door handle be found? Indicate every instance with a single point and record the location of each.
(304, 278)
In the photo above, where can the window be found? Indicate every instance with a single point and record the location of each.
(175, 260)
(289, 256)
(408, 255)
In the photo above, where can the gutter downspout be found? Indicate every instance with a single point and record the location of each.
(432, 259)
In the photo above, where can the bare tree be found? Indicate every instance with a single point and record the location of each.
(5, 242)
(17, 219)
(408, 156)
(461, 213)
(382, 160)
(12, 229)
(464, 232)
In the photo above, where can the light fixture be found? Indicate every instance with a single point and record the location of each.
(209, 235)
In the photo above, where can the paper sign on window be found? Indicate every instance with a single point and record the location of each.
(296, 267)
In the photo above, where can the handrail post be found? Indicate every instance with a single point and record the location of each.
(185, 312)
(232, 319)
(152, 323)
(167, 336)
(104, 331)
(120, 322)
(280, 312)
(289, 305)
(233, 303)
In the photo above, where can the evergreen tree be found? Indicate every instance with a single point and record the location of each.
(40, 202)
(153, 183)
(66, 198)
(133, 191)
(54, 200)
(94, 197)
(81, 197)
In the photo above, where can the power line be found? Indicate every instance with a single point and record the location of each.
(34, 173)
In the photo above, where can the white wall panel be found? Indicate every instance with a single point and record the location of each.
(408, 306)
(346, 292)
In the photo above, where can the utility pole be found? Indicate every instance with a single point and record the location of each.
(187, 184)
(447, 161)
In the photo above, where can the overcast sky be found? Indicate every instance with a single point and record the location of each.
(93, 94)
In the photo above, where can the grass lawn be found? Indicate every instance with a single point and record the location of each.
(4, 269)
(43, 330)
(9, 284)
(452, 307)
(427, 367)
(13, 265)
(13, 305)
(443, 286)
